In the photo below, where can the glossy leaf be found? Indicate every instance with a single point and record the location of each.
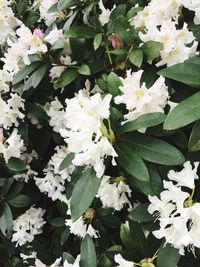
(84, 193)
(184, 113)
(129, 159)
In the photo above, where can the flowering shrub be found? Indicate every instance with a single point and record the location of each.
(99, 133)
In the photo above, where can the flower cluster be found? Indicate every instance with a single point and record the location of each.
(99, 108)
(177, 211)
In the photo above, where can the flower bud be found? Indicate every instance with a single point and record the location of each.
(116, 41)
(38, 33)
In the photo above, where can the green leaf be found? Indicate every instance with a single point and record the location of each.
(38, 75)
(144, 121)
(168, 257)
(53, 9)
(38, 111)
(133, 238)
(58, 222)
(16, 165)
(69, 21)
(129, 159)
(141, 214)
(151, 50)
(20, 201)
(24, 72)
(60, 44)
(88, 253)
(184, 113)
(97, 41)
(66, 256)
(6, 221)
(84, 192)
(68, 76)
(155, 150)
(66, 162)
(187, 72)
(194, 141)
(64, 4)
(84, 69)
(136, 57)
(114, 83)
(80, 32)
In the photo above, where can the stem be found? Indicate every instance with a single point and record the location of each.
(109, 56)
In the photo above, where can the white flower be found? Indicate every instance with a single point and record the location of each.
(105, 13)
(88, 137)
(56, 71)
(155, 13)
(53, 36)
(80, 228)
(177, 212)
(56, 112)
(114, 195)
(122, 262)
(178, 45)
(11, 111)
(38, 263)
(138, 99)
(53, 183)
(43, 9)
(27, 226)
(8, 21)
(75, 264)
(186, 177)
(13, 146)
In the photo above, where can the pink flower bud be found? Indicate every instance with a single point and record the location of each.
(116, 41)
(1, 135)
(38, 33)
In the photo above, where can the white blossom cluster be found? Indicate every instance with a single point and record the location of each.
(88, 138)
(8, 22)
(27, 225)
(114, 195)
(57, 263)
(176, 210)
(138, 98)
(53, 183)
(159, 19)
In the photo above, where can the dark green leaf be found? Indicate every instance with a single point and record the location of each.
(133, 238)
(136, 57)
(141, 214)
(88, 254)
(144, 121)
(66, 162)
(67, 77)
(38, 111)
(58, 222)
(187, 72)
(24, 72)
(194, 141)
(84, 192)
(129, 159)
(6, 221)
(64, 4)
(38, 75)
(16, 165)
(80, 32)
(155, 150)
(168, 257)
(184, 113)
(113, 84)
(151, 50)
(20, 201)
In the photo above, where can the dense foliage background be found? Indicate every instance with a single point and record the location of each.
(99, 110)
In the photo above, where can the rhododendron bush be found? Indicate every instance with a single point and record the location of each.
(99, 133)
